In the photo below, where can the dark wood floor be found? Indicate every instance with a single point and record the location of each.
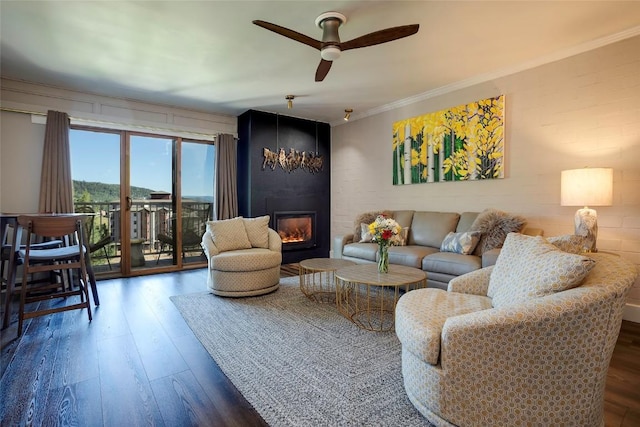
(622, 392)
(138, 363)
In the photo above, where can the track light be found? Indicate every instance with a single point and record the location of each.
(347, 114)
(289, 99)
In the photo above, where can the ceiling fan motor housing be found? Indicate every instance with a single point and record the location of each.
(330, 23)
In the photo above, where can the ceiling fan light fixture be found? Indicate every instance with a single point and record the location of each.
(330, 53)
(289, 99)
(347, 114)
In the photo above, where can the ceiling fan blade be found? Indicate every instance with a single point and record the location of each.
(381, 36)
(293, 35)
(323, 69)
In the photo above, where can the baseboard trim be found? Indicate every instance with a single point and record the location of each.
(632, 313)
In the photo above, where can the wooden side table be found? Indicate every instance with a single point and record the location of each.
(317, 278)
(368, 298)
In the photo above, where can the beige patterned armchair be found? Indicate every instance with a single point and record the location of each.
(244, 257)
(525, 342)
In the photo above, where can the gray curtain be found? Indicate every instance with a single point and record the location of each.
(56, 187)
(226, 189)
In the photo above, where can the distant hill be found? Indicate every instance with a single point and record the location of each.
(101, 192)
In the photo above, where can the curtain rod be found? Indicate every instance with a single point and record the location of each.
(15, 110)
(37, 113)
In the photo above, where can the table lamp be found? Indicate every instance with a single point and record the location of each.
(587, 187)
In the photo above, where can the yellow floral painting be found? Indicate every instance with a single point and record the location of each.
(462, 143)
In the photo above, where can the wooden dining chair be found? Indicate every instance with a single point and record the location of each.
(71, 257)
(6, 252)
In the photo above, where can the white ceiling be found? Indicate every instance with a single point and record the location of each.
(207, 55)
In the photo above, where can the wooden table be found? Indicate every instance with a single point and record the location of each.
(368, 298)
(317, 278)
(12, 219)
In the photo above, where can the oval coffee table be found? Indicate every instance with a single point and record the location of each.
(368, 298)
(317, 278)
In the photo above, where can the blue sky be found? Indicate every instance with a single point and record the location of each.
(95, 156)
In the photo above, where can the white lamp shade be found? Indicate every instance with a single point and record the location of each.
(587, 187)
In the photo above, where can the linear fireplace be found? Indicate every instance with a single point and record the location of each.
(297, 229)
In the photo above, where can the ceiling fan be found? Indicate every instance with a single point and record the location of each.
(331, 47)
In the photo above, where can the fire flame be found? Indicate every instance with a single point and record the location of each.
(295, 233)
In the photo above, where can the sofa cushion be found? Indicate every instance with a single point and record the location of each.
(410, 256)
(253, 259)
(257, 231)
(451, 263)
(531, 267)
(403, 218)
(422, 313)
(366, 251)
(466, 220)
(461, 243)
(430, 228)
(494, 226)
(229, 234)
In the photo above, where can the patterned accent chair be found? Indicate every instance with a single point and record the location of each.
(525, 342)
(244, 256)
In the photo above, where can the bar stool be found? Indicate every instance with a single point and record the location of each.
(69, 258)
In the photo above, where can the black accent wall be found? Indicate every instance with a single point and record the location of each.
(265, 191)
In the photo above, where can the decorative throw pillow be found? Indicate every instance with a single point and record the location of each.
(569, 243)
(460, 243)
(258, 231)
(494, 226)
(229, 234)
(367, 237)
(530, 267)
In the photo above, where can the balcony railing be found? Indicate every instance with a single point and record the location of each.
(149, 219)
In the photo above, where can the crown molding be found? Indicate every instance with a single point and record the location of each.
(482, 78)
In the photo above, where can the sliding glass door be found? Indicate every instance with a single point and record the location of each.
(96, 170)
(149, 197)
(196, 195)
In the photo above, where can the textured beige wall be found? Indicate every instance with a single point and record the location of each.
(21, 144)
(580, 111)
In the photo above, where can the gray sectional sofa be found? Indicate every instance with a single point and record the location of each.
(426, 232)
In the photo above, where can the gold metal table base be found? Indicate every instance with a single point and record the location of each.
(317, 278)
(368, 298)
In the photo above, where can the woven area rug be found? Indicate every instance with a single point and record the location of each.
(300, 363)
